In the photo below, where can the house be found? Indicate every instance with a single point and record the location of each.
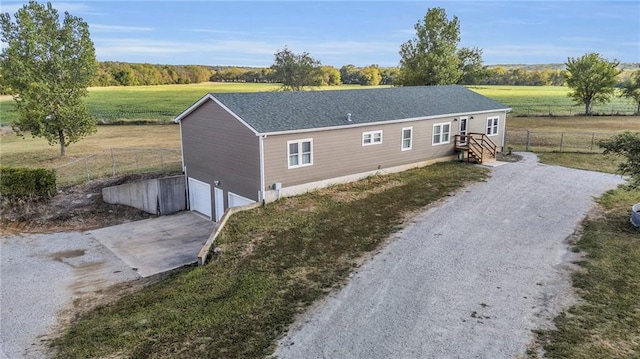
(240, 148)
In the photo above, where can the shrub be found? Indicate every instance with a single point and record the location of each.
(27, 182)
(626, 144)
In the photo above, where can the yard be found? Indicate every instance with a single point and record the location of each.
(162, 103)
(268, 280)
(605, 322)
(275, 262)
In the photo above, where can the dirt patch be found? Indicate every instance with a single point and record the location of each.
(508, 156)
(6, 130)
(78, 208)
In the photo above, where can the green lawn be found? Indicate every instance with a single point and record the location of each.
(275, 261)
(606, 321)
(548, 100)
(154, 103)
(162, 103)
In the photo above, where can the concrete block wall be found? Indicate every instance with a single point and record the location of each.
(156, 196)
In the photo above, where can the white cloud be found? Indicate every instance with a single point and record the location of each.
(582, 39)
(213, 31)
(528, 50)
(117, 28)
(112, 48)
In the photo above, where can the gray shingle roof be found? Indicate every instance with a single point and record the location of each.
(286, 111)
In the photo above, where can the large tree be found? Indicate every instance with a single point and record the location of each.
(295, 71)
(631, 89)
(471, 66)
(431, 58)
(48, 65)
(328, 76)
(591, 79)
(370, 75)
(350, 74)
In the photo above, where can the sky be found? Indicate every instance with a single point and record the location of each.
(249, 33)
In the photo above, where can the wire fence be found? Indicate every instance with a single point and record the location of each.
(544, 110)
(109, 117)
(534, 141)
(118, 161)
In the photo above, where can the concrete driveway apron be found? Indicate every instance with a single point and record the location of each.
(469, 278)
(159, 244)
(43, 274)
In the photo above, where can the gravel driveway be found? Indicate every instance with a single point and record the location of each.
(41, 275)
(469, 278)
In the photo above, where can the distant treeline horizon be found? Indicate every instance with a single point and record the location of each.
(139, 74)
(112, 73)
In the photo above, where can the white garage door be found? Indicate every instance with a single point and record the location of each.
(200, 197)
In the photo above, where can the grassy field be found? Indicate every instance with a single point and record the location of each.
(548, 100)
(606, 321)
(275, 261)
(566, 134)
(35, 152)
(154, 103)
(162, 103)
(589, 124)
(111, 150)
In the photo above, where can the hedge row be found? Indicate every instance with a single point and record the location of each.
(29, 182)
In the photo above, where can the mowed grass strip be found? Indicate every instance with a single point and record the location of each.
(156, 103)
(275, 261)
(36, 152)
(583, 161)
(547, 100)
(574, 124)
(606, 322)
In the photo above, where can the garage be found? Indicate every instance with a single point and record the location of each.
(200, 197)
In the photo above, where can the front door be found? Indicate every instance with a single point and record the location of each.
(463, 130)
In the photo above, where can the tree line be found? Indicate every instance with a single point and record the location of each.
(144, 74)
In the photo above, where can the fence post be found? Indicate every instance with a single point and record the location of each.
(561, 140)
(592, 139)
(86, 168)
(113, 163)
(162, 160)
(137, 162)
(528, 141)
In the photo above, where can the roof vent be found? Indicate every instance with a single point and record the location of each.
(349, 117)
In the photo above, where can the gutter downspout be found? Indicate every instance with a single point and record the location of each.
(262, 180)
(184, 168)
(504, 131)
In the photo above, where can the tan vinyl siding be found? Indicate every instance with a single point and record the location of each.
(340, 152)
(219, 147)
(478, 124)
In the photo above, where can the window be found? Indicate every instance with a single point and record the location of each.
(407, 137)
(300, 153)
(441, 133)
(492, 126)
(371, 138)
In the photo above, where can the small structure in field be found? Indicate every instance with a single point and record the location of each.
(240, 148)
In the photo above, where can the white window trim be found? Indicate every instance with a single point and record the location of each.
(410, 139)
(494, 128)
(434, 130)
(300, 164)
(372, 134)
